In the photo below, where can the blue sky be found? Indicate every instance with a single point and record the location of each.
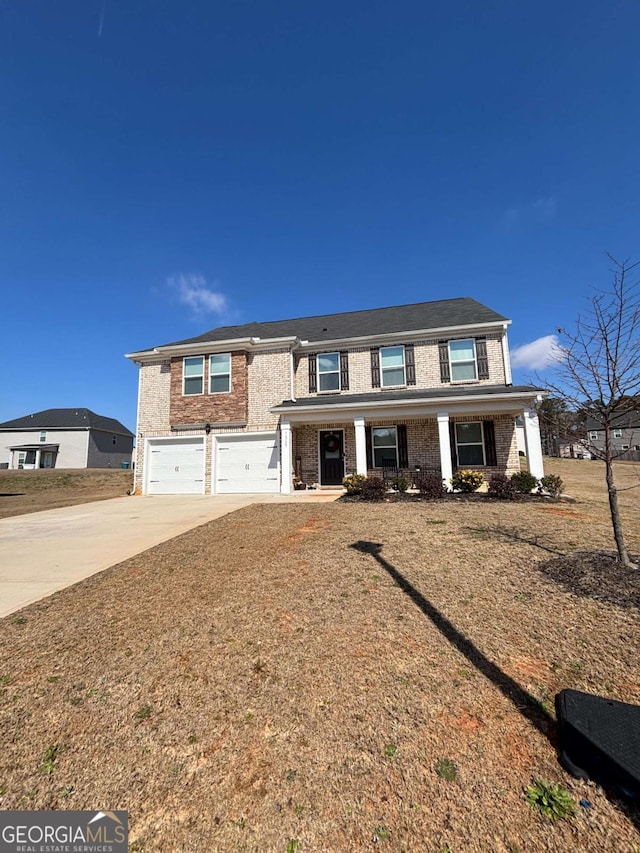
(167, 167)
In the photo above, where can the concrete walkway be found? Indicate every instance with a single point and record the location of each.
(43, 552)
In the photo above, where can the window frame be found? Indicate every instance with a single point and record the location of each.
(219, 373)
(43, 436)
(470, 444)
(186, 393)
(593, 435)
(321, 373)
(617, 433)
(624, 447)
(394, 427)
(404, 367)
(463, 361)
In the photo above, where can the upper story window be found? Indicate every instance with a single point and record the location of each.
(329, 371)
(392, 366)
(617, 433)
(193, 375)
(463, 360)
(462, 355)
(114, 439)
(220, 373)
(593, 435)
(43, 435)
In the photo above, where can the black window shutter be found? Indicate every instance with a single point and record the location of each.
(452, 441)
(375, 368)
(403, 452)
(344, 371)
(490, 454)
(410, 364)
(443, 347)
(369, 441)
(483, 361)
(313, 373)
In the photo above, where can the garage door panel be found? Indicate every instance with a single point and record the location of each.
(176, 467)
(248, 464)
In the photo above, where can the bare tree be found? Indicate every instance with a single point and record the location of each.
(598, 369)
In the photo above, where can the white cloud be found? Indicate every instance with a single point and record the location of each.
(537, 355)
(192, 290)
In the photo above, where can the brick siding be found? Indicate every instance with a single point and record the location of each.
(212, 408)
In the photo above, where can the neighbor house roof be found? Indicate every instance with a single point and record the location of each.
(66, 419)
(629, 419)
(420, 316)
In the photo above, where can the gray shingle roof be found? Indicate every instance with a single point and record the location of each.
(409, 394)
(373, 321)
(66, 419)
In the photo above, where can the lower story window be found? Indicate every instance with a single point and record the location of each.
(469, 444)
(385, 447)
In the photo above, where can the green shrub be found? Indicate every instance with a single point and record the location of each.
(467, 480)
(374, 489)
(553, 484)
(524, 482)
(353, 483)
(432, 486)
(501, 487)
(553, 801)
(400, 484)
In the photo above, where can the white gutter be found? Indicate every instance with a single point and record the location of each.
(198, 347)
(411, 334)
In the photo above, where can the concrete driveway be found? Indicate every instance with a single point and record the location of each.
(43, 552)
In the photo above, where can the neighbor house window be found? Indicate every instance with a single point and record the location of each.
(392, 366)
(624, 447)
(593, 435)
(43, 435)
(462, 358)
(329, 371)
(193, 375)
(220, 373)
(469, 444)
(617, 433)
(114, 439)
(385, 447)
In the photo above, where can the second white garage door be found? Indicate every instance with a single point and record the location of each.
(246, 464)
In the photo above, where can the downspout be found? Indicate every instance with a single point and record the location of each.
(292, 372)
(506, 359)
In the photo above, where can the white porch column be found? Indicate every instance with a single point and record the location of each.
(38, 452)
(445, 448)
(286, 457)
(361, 446)
(532, 442)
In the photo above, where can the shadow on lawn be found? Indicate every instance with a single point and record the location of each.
(513, 535)
(523, 702)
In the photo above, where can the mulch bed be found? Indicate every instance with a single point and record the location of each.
(598, 575)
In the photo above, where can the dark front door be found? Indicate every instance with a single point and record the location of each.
(331, 457)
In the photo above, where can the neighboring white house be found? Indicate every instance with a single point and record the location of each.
(262, 407)
(65, 438)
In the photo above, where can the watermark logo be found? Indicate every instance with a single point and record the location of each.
(63, 832)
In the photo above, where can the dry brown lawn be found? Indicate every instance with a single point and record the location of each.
(291, 677)
(27, 491)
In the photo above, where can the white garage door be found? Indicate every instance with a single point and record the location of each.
(247, 464)
(176, 467)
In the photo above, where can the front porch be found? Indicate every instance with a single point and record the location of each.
(324, 453)
(31, 456)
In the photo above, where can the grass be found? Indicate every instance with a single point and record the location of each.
(333, 741)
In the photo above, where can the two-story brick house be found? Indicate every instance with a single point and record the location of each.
(251, 408)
